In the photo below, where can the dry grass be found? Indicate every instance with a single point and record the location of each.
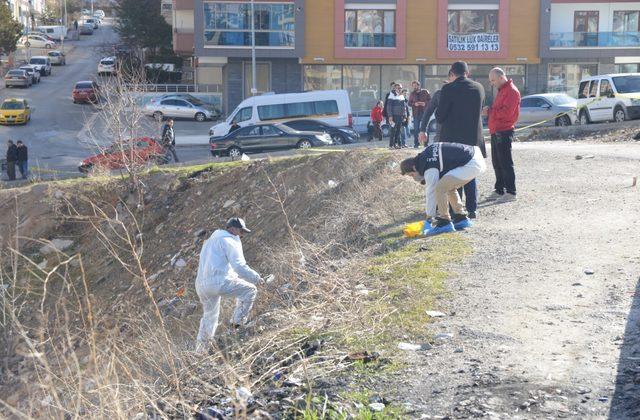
(77, 347)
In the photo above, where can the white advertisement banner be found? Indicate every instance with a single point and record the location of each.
(474, 42)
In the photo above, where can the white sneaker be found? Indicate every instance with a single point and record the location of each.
(506, 197)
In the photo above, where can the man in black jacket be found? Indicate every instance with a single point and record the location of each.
(169, 141)
(23, 159)
(458, 114)
(12, 158)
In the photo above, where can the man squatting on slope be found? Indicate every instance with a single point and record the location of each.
(443, 168)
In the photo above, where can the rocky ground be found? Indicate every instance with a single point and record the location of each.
(544, 316)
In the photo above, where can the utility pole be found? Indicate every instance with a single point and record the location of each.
(254, 88)
(65, 23)
(91, 8)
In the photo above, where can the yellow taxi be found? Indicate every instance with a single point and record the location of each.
(15, 111)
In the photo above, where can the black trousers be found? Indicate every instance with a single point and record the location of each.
(503, 162)
(395, 139)
(11, 171)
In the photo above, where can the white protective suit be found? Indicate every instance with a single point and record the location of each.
(221, 271)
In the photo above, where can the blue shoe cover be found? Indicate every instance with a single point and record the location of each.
(463, 224)
(437, 230)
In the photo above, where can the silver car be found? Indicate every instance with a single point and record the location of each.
(552, 108)
(17, 77)
(178, 108)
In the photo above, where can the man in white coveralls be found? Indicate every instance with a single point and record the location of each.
(223, 271)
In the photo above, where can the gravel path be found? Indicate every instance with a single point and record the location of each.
(545, 314)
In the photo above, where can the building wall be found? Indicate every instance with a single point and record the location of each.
(562, 14)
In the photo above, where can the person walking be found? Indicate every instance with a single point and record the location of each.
(169, 141)
(12, 158)
(376, 121)
(419, 99)
(443, 168)
(396, 109)
(459, 114)
(223, 271)
(23, 159)
(75, 25)
(503, 115)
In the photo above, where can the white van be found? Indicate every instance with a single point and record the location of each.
(55, 32)
(329, 106)
(609, 97)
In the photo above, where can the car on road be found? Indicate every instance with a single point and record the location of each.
(17, 77)
(86, 29)
(86, 91)
(266, 137)
(179, 108)
(36, 41)
(339, 135)
(119, 156)
(609, 97)
(15, 111)
(107, 66)
(45, 36)
(99, 13)
(93, 22)
(42, 64)
(554, 108)
(33, 73)
(57, 58)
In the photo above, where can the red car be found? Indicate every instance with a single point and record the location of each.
(86, 91)
(145, 149)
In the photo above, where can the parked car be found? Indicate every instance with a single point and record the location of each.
(107, 66)
(93, 22)
(178, 108)
(33, 73)
(99, 13)
(42, 64)
(15, 111)
(555, 108)
(86, 91)
(339, 135)
(57, 58)
(609, 97)
(17, 77)
(265, 137)
(85, 29)
(330, 106)
(35, 41)
(118, 156)
(45, 36)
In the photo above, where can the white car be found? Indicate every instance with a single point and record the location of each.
(99, 13)
(92, 21)
(35, 41)
(42, 64)
(107, 66)
(33, 72)
(609, 97)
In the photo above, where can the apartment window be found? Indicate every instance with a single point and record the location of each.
(369, 28)
(464, 22)
(586, 21)
(229, 24)
(626, 21)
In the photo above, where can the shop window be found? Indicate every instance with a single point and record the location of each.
(369, 28)
(566, 77)
(399, 74)
(363, 85)
(320, 77)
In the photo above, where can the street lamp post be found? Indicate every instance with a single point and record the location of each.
(254, 88)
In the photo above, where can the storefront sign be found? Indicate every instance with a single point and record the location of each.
(474, 42)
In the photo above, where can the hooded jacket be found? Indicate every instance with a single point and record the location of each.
(396, 105)
(221, 258)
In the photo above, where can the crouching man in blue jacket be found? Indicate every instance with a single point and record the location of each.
(443, 168)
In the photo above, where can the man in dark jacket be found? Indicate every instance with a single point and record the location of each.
(428, 112)
(418, 101)
(12, 158)
(23, 158)
(169, 141)
(385, 113)
(397, 114)
(459, 115)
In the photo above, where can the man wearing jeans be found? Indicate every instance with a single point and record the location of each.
(503, 115)
(418, 101)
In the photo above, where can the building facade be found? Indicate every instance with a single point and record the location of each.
(582, 38)
(215, 35)
(362, 46)
(27, 12)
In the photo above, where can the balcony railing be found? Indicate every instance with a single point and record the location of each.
(369, 40)
(594, 39)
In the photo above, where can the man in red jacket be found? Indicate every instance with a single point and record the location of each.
(376, 121)
(503, 115)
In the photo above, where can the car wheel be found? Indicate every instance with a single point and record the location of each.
(337, 139)
(584, 118)
(304, 144)
(200, 117)
(619, 115)
(47, 46)
(234, 152)
(563, 121)
(158, 116)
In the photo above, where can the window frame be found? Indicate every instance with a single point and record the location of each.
(588, 13)
(459, 13)
(625, 11)
(383, 33)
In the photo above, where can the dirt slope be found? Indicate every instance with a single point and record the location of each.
(536, 335)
